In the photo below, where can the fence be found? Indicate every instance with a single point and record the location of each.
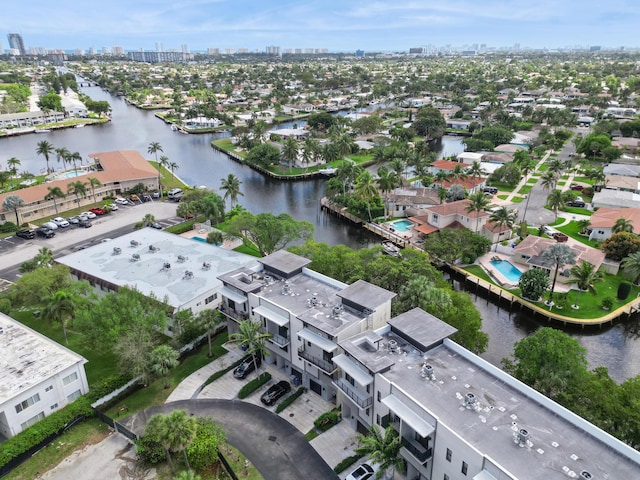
(117, 426)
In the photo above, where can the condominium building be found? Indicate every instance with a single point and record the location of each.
(16, 43)
(458, 416)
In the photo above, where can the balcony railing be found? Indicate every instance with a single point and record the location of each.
(387, 421)
(416, 450)
(327, 367)
(359, 399)
(237, 316)
(278, 339)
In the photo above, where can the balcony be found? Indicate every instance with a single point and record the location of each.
(237, 316)
(360, 399)
(327, 367)
(387, 421)
(417, 451)
(278, 339)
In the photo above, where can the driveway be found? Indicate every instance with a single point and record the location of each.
(275, 447)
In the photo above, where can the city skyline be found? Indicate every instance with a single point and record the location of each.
(338, 26)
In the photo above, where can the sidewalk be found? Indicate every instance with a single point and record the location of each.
(524, 180)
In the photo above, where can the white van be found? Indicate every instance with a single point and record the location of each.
(175, 194)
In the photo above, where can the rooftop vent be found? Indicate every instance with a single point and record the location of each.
(427, 371)
(166, 266)
(584, 475)
(134, 243)
(135, 257)
(393, 346)
(268, 279)
(206, 266)
(117, 250)
(188, 275)
(522, 437)
(153, 249)
(469, 399)
(182, 258)
(336, 310)
(286, 288)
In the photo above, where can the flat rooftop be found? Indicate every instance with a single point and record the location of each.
(556, 446)
(28, 358)
(149, 273)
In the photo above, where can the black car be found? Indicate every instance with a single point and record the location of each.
(45, 232)
(26, 234)
(84, 223)
(276, 391)
(247, 366)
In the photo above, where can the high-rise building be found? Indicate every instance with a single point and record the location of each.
(117, 50)
(16, 42)
(185, 48)
(272, 50)
(213, 51)
(159, 47)
(359, 53)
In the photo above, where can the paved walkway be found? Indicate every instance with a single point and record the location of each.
(275, 447)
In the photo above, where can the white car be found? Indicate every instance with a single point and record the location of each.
(61, 222)
(112, 206)
(363, 472)
(50, 225)
(122, 201)
(88, 214)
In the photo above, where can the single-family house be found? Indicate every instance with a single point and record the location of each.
(615, 199)
(623, 183)
(603, 220)
(622, 169)
(452, 215)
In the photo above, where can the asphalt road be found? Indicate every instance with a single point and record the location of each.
(275, 447)
(14, 250)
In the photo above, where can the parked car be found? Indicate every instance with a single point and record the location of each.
(61, 222)
(560, 237)
(577, 187)
(247, 366)
(88, 214)
(548, 230)
(134, 198)
(50, 225)
(26, 234)
(98, 210)
(577, 204)
(74, 220)
(155, 195)
(273, 394)
(491, 190)
(84, 223)
(122, 201)
(365, 471)
(146, 198)
(112, 207)
(45, 232)
(156, 225)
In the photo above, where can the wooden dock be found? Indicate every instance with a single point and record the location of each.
(338, 210)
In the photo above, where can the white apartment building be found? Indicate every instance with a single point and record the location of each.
(37, 376)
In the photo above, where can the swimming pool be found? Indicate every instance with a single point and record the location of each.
(204, 240)
(75, 173)
(506, 268)
(402, 225)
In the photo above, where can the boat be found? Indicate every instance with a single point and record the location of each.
(174, 128)
(43, 130)
(328, 171)
(390, 248)
(80, 125)
(183, 131)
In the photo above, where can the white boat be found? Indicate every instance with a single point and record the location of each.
(390, 248)
(43, 130)
(173, 127)
(328, 171)
(80, 125)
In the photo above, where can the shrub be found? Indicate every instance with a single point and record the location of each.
(5, 305)
(624, 289)
(607, 303)
(289, 400)
(347, 462)
(106, 386)
(533, 283)
(327, 420)
(150, 451)
(254, 385)
(37, 433)
(181, 227)
(216, 375)
(8, 227)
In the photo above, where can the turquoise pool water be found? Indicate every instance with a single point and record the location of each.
(204, 240)
(507, 269)
(75, 173)
(402, 225)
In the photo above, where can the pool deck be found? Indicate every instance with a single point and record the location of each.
(201, 230)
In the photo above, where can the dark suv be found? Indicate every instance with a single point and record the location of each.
(247, 366)
(45, 232)
(26, 234)
(276, 391)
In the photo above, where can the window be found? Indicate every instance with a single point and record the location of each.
(70, 378)
(367, 412)
(464, 468)
(74, 395)
(449, 453)
(49, 388)
(379, 395)
(210, 299)
(27, 403)
(55, 405)
(32, 420)
(349, 379)
(378, 419)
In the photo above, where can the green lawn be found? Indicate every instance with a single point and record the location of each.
(525, 189)
(573, 230)
(167, 179)
(248, 250)
(100, 365)
(517, 199)
(225, 144)
(478, 271)
(532, 181)
(543, 168)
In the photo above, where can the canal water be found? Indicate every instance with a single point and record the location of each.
(617, 348)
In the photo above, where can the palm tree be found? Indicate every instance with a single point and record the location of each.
(384, 449)
(15, 203)
(179, 431)
(60, 307)
(249, 334)
(44, 258)
(503, 217)
(54, 192)
(623, 225)
(4, 178)
(557, 255)
(344, 144)
(555, 201)
(231, 188)
(93, 183)
(347, 174)
(457, 174)
(45, 149)
(77, 188)
(365, 189)
(548, 180)
(162, 360)
(387, 181)
(75, 156)
(583, 225)
(290, 151)
(148, 219)
(154, 148)
(62, 154)
(164, 161)
(631, 266)
(478, 203)
(13, 164)
(476, 170)
(309, 150)
(173, 166)
(584, 276)
(210, 319)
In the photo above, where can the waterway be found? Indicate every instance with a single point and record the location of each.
(617, 348)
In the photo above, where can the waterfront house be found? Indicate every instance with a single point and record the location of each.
(451, 215)
(603, 220)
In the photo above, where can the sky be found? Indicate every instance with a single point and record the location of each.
(338, 25)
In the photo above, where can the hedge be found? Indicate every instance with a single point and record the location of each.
(327, 420)
(106, 386)
(290, 399)
(347, 462)
(216, 375)
(46, 427)
(180, 227)
(254, 385)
